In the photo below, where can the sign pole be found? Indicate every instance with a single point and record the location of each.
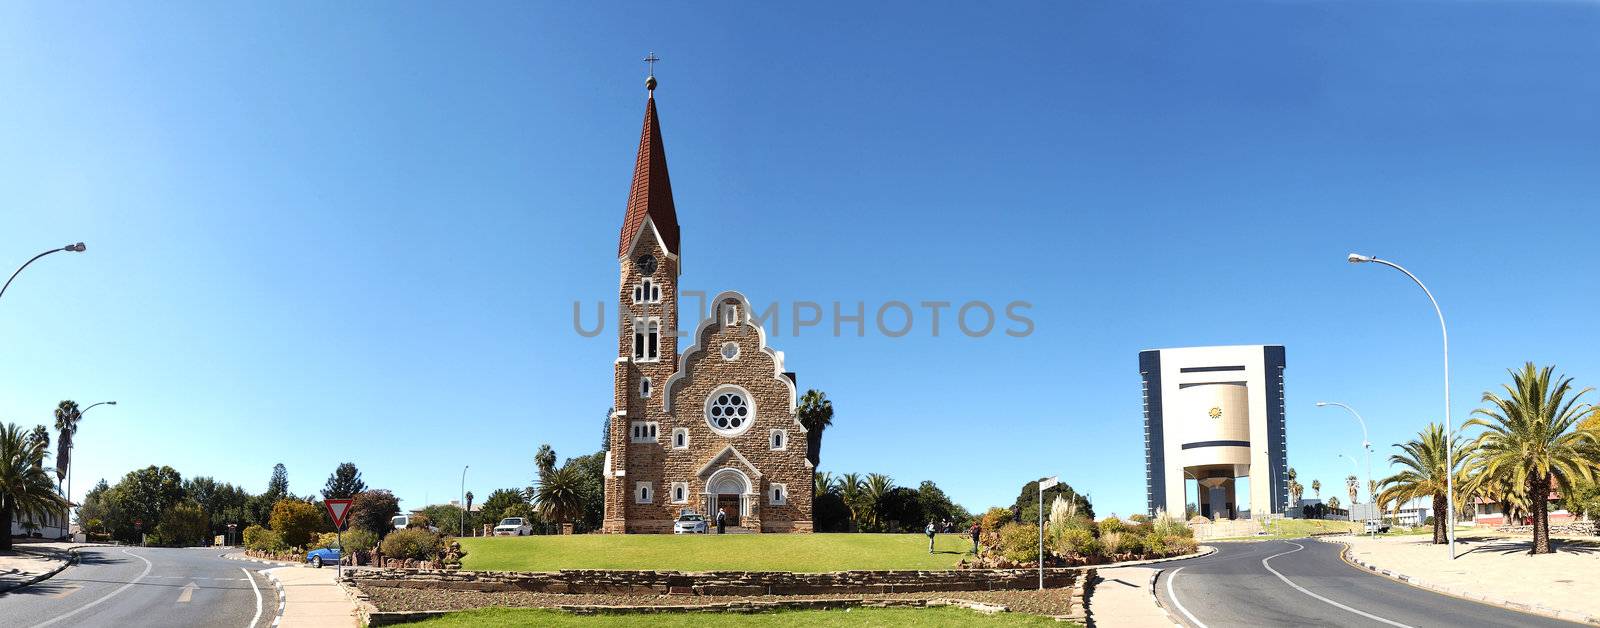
(337, 509)
(1046, 483)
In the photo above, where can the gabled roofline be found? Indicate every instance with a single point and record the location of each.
(704, 471)
(745, 318)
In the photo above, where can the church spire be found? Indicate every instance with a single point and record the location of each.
(651, 193)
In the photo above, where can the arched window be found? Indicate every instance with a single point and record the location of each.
(730, 411)
(652, 340)
(779, 439)
(780, 494)
(680, 492)
(643, 493)
(680, 438)
(644, 387)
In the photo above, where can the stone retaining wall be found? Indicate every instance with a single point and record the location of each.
(1577, 528)
(749, 583)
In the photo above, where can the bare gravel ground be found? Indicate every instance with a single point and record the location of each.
(1047, 602)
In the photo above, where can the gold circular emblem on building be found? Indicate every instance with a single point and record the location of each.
(1216, 413)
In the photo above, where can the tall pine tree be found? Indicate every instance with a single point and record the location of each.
(344, 483)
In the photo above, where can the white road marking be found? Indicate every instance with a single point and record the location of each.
(147, 567)
(187, 593)
(1174, 596)
(1301, 589)
(257, 589)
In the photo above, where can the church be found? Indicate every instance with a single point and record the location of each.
(710, 429)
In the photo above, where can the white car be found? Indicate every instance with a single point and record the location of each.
(513, 526)
(401, 522)
(690, 523)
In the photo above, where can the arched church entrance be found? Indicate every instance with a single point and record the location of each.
(728, 491)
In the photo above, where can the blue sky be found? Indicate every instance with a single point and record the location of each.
(319, 234)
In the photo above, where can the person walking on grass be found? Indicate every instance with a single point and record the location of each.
(975, 531)
(721, 521)
(930, 531)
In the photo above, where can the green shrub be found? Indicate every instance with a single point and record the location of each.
(1170, 526)
(1137, 519)
(1180, 545)
(263, 540)
(355, 539)
(1075, 542)
(1111, 542)
(297, 521)
(1111, 524)
(418, 543)
(1129, 542)
(358, 539)
(1019, 542)
(1155, 546)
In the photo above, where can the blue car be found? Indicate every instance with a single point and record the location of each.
(319, 557)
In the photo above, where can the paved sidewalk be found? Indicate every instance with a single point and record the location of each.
(312, 598)
(1122, 598)
(28, 563)
(1495, 570)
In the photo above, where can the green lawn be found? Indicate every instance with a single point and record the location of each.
(503, 617)
(711, 552)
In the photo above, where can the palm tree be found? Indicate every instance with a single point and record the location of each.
(545, 460)
(25, 486)
(850, 491)
(822, 483)
(1316, 486)
(816, 414)
(1352, 485)
(1529, 445)
(559, 495)
(1295, 489)
(1422, 474)
(1372, 490)
(872, 492)
(67, 417)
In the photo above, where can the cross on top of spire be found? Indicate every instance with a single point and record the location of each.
(650, 82)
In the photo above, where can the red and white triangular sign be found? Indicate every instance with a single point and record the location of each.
(337, 508)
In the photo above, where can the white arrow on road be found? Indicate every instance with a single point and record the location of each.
(188, 592)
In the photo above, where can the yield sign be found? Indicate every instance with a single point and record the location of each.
(337, 508)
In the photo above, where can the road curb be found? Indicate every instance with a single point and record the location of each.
(72, 559)
(283, 598)
(252, 559)
(1205, 550)
(1532, 609)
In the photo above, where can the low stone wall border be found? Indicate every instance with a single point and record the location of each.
(1464, 594)
(389, 618)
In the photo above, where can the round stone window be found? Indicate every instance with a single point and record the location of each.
(730, 350)
(730, 411)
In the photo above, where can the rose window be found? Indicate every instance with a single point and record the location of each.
(729, 411)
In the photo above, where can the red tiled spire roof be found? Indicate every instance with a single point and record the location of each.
(651, 193)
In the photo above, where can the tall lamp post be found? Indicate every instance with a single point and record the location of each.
(71, 444)
(1365, 444)
(72, 248)
(1449, 427)
(463, 529)
(1044, 484)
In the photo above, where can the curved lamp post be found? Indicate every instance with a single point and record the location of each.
(74, 248)
(463, 530)
(1449, 427)
(74, 443)
(1365, 443)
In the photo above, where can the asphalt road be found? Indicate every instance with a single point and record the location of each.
(144, 586)
(1303, 582)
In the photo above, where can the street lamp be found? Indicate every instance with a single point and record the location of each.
(72, 443)
(1449, 428)
(1365, 443)
(463, 529)
(74, 248)
(1044, 483)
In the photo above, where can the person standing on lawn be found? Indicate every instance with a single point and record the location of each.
(976, 530)
(721, 525)
(930, 532)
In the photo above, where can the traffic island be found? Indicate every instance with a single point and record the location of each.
(395, 596)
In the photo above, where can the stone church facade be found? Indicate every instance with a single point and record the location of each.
(713, 427)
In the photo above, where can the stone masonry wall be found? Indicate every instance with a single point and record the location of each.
(746, 583)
